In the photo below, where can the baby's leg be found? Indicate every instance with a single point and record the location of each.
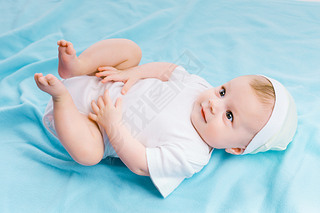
(80, 136)
(118, 53)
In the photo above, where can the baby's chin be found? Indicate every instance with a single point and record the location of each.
(194, 114)
(195, 122)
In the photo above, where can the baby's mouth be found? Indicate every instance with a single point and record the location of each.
(203, 114)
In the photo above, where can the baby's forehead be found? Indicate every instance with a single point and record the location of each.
(239, 85)
(245, 79)
(247, 107)
(247, 85)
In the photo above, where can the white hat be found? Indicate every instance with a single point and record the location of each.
(282, 124)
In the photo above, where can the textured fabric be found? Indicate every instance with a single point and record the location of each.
(218, 40)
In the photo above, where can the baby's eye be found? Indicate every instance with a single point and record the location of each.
(222, 92)
(229, 116)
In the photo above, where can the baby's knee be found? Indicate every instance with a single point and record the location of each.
(133, 51)
(88, 157)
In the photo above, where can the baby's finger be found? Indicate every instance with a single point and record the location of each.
(100, 102)
(94, 107)
(92, 116)
(106, 79)
(106, 98)
(107, 68)
(118, 104)
(114, 77)
(105, 73)
(128, 85)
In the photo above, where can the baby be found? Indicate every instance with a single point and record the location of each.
(167, 125)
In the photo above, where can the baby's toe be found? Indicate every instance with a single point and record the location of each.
(43, 81)
(70, 50)
(51, 79)
(37, 76)
(62, 43)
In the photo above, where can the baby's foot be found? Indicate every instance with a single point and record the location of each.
(51, 85)
(68, 60)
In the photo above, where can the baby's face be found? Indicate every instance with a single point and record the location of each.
(230, 115)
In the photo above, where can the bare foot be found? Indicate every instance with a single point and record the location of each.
(51, 85)
(68, 60)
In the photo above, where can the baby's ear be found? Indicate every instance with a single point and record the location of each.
(235, 151)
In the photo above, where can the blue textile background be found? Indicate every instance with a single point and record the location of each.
(218, 40)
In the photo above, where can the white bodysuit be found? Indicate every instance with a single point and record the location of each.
(158, 114)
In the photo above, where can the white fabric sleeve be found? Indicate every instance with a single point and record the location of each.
(180, 74)
(168, 167)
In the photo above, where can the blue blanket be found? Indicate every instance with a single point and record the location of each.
(218, 40)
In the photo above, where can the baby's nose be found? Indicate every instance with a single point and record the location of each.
(215, 106)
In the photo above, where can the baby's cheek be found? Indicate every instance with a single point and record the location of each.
(210, 135)
(216, 136)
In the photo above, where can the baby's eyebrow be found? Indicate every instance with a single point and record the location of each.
(227, 87)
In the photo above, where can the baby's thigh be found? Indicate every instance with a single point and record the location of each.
(95, 139)
(94, 130)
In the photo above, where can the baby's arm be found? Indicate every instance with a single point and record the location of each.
(131, 151)
(159, 70)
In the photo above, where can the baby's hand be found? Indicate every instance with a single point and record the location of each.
(105, 113)
(128, 76)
